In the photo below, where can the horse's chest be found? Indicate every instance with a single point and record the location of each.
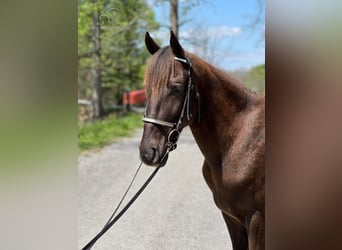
(232, 189)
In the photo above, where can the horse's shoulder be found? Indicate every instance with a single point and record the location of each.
(249, 127)
(245, 156)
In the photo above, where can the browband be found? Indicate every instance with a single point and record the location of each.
(181, 60)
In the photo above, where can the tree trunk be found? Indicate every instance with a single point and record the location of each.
(174, 16)
(96, 69)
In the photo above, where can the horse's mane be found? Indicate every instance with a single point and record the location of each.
(161, 66)
(233, 87)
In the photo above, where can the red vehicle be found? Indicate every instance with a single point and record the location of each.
(135, 97)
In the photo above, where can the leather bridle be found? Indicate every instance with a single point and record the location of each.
(174, 133)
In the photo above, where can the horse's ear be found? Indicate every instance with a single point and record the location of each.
(175, 46)
(151, 45)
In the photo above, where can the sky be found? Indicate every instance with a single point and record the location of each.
(233, 45)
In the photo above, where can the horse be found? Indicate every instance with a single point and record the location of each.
(227, 121)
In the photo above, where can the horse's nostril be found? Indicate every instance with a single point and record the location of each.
(148, 155)
(153, 152)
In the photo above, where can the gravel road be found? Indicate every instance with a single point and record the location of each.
(175, 212)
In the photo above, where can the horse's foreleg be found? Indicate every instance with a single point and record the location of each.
(238, 234)
(256, 232)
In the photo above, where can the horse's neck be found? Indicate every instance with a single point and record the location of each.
(222, 100)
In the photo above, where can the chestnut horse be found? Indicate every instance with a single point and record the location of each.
(228, 123)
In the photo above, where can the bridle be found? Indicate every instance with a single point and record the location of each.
(174, 133)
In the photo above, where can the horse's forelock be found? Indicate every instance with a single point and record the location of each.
(158, 72)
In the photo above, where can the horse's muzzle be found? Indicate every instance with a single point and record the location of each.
(151, 156)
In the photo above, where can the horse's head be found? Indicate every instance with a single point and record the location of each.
(167, 77)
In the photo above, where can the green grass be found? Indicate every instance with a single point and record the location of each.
(99, 133)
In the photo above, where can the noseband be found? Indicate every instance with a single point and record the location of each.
(173, 135)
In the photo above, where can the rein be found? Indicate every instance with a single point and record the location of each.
(112, 220)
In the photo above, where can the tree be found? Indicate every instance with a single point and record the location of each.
(253, 78)
(256, 78)
(174, 16)
(110, 48)
(204, 40)
(96, 70)
(175, 8)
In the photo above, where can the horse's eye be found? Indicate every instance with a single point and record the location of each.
(176, 88)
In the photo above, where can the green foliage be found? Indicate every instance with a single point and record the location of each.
(103, 132)
(255, 79)
(123, 55)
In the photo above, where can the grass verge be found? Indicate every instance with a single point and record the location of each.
(99, 133)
